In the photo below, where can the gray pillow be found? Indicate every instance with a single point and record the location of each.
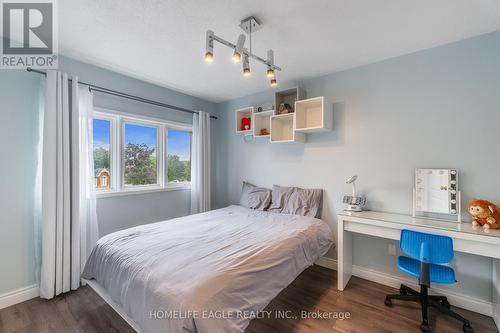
(280, 197)
(255, 197)
(297, 201)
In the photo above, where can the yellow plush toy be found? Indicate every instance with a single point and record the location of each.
(484, 214)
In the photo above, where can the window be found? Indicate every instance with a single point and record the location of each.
(102, 153)
(140, 155)
(179, 156)
(134, 154)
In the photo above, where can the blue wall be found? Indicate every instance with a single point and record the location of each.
(18, 140)
(435, 108)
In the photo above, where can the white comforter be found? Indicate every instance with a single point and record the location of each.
(227, 263)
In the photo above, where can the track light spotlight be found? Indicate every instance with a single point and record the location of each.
(209, 50)
(270, 63)
(274, 83)
(246, 65)
(270, 72)
(238, 50)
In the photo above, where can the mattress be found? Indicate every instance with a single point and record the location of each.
(209, 272)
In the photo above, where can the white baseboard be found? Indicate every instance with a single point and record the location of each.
(327, 262)
(456, 299)
(19, 295)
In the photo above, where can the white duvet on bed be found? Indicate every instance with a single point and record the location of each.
(197, 267)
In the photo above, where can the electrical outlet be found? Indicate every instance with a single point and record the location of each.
(392, 249)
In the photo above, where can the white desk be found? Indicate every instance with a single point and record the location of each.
(465, 239)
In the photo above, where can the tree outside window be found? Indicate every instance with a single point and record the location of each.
(140, 155)
(179, 156)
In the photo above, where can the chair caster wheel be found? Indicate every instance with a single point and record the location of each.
(425, 328)
(388, 302)
(467, 329)
(446, 304)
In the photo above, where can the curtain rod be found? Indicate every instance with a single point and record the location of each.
(124, 95)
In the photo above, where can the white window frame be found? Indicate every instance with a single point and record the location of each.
(166, 152)
(112, 154)
(117, 138)
(159, 151)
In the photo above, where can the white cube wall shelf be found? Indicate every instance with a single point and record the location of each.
(282, 129)
(311, 116)
(288, 96)
(260, 121)
(244, 113)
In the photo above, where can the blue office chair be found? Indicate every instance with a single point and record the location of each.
(426, 252)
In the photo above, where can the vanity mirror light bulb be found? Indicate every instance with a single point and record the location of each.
(453, 182)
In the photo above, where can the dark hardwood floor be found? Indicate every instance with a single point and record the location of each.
(314, 291)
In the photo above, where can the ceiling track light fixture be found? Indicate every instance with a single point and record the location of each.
(249, 25)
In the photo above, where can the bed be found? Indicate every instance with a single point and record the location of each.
(209, 272)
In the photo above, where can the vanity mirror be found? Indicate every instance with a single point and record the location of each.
(436, 192)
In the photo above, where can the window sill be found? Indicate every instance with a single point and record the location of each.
(126, 192)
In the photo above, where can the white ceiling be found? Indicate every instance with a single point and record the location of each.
(163, 41)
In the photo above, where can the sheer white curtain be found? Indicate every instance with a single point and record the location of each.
(200, 163)
(85, 230)
(68, 221)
